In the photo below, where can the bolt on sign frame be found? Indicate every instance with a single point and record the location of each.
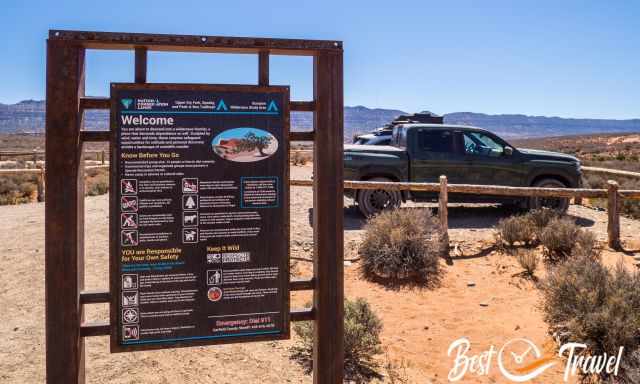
(65, 296)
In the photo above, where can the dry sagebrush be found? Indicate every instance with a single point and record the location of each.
(514, 230)
(402, 244)
(562, 238)
(524, 229)
(585, 302)
(528, 260)
(362, 329)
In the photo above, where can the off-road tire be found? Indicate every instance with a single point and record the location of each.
(373, 201)
(559, 204)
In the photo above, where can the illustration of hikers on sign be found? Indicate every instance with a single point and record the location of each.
(244, 145)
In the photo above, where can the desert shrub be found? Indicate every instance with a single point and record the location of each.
(396, 371)
(630, 207)
(558, 238)
(96, 181)
(585, 302)
(542, 217)
(515, 229)
(402, 244)
(528, 260)
(17, 189)
(585, 246)
(594, 181)
(362, 329)
(299, 158)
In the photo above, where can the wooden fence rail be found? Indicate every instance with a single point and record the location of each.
(611, 172)
(100, 155)
(40, 173)
(612, 194)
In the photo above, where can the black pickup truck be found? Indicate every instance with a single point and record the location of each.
(466, 155)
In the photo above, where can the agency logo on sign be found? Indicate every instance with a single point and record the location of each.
(520, 360)
(126, 103)
(222, 106)
(272, 107)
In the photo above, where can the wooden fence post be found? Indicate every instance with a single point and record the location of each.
(64, 215)
(443, 211)
(102, 157)
(40, 190)
(613, 228)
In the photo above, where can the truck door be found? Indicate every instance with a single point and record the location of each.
(434, 152)
(488, 162)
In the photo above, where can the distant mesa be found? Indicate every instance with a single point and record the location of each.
(28, 116)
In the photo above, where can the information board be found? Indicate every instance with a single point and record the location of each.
(199, 215)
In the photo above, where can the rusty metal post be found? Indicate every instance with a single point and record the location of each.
(64, 215)
(328, 296)
(263, 68)
(140, 64)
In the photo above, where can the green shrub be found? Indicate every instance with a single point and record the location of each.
(362, 329)
(401, 245)
(515, 229)
(585, 302)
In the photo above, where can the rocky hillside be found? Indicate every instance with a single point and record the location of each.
(541, 126)
(28, 116)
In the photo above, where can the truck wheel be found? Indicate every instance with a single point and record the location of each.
(559, 204)
(373, 201)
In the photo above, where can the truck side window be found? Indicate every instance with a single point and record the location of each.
(435, 141)
(399, 137)
(476, 143)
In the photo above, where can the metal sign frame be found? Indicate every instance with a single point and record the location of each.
(66, 102)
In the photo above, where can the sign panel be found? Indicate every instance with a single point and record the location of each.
(199, 215)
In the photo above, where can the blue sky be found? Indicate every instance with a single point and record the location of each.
(568, 58)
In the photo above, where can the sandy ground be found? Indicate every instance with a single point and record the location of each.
(419, 323)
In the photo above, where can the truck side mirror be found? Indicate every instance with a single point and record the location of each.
(508, 151)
